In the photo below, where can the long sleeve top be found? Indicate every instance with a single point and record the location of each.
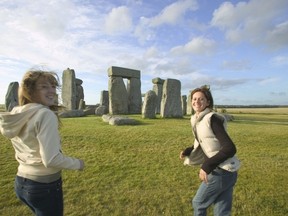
(33, 130)
(226, 151)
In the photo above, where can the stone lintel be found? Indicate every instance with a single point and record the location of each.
(123, 72)
(158, 80)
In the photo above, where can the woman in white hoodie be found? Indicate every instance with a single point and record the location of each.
(214, 150)
(33, 129)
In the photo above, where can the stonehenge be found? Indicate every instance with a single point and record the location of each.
(149, 108)
(184, 104)
(69, 89)
(124, 100)
(72, 90)
(163, 99)
(171, 106)
(158, 89)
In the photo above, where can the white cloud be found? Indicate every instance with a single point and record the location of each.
(142, 31)
(268, 81)
(279, 60)
(170, 15)
(90, 36)
(198, 45)
(61, 34)
(277, 37)
(151, 52)
(236, 65)
(199, 78)
(118, 20)
(177, 68)
(40, 35)
(256, 21)
(173, 13)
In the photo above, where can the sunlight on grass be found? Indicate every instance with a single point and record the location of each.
(135, 170)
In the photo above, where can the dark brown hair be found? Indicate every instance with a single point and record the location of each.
(205, 89)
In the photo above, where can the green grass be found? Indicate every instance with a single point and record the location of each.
(135, 170)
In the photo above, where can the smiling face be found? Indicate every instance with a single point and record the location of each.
(199, 102)
(45, 92)
(38, 87)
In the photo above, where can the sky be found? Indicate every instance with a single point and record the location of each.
(239, 48)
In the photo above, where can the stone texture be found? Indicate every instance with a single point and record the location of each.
(81, 104)
(106, 118)
(101, 110)
(79, 93)
(11, 98)
(134, 96)
(119, 120)
(122, 100)
(184, 104)
(171, 99)
(158, 80)
(104, 98)
(158, 89)
(71, 114)
(118, 97)
(149, 105)
(123, 72)
(69, 89)
(89, 111)
(189, 106)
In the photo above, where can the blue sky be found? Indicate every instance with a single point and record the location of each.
(239, 48)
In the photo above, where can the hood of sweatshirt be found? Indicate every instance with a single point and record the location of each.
(12, 122)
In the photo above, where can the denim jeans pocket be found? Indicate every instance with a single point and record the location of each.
(41, 197)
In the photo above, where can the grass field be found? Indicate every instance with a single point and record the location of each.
(135, 170)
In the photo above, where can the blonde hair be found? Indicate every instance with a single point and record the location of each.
(28, 86)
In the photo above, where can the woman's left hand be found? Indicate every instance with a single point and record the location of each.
(203, 176)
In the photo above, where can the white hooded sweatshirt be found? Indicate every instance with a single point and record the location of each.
(33, 130)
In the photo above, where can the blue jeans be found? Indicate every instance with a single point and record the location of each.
(44, 199)
(218, 191)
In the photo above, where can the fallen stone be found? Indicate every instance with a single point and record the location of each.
(71, 114)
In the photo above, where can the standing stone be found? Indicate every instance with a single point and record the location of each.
(134, 95)
(149, 105)
(104, 98)
(79, 93)
(104, 101)
(69, 89)
(171, 99)
(118, 97)
(81, 105)
(158, 89)
(101, 110)
(121, 98)
(184, 104)
(11, 98)
(189, 105)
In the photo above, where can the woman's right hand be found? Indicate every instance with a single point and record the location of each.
(181, 156)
